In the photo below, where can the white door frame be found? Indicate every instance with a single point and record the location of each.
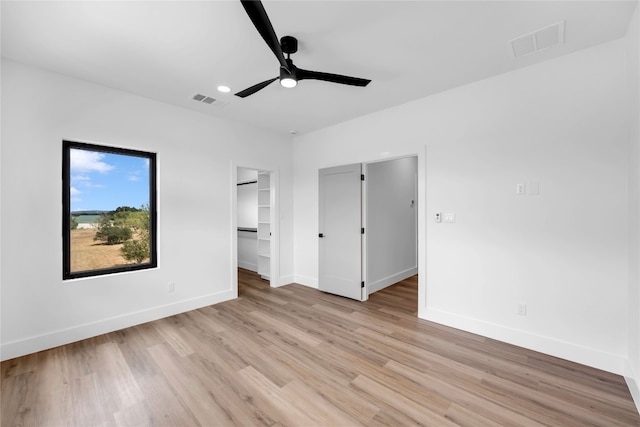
(274, 259)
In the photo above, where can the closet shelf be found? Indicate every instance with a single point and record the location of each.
(264, 224)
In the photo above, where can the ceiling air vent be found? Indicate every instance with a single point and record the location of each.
(538, 40)
(203, 98)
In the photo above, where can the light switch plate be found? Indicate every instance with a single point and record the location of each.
(521, 189)
(533, 188)
(449, 217)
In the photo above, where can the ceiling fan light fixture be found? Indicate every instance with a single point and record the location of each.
(288, 77)
(288, 82)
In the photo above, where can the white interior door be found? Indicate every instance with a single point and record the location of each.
(340, 238)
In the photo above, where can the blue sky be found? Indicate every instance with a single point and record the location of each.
(105, 181)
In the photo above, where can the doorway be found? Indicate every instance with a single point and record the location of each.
(254, 231)
(368, 226)
(391, 220)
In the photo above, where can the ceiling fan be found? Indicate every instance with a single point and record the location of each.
(289, 73)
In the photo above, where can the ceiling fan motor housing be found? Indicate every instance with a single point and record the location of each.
(289, 78)
(284, 74)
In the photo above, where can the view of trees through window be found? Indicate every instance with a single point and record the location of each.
(109, 214)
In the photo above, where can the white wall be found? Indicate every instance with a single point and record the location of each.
(633, 70)
(246, 175)
(248, 205)
(561, 123)
(391, 222)
(248, 250)
(197, 160)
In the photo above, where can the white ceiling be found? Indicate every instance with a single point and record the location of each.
(171, 50)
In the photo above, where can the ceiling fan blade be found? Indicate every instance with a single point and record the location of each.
(253, 89)
(258, 15)
(334, 78)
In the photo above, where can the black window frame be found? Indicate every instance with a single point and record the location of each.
(67, 146)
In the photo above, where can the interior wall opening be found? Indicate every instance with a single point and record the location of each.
(368, 226)
(254, 213)
(390, 217)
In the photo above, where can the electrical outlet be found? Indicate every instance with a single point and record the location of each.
(522, 309)
(171, 287)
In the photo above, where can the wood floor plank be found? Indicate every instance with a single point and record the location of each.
(171, 335)
(416, 412)
(464, 417)
(116, 376)
(294, 356)
(332, 389)
(19, 394)
(133, 348)
(206, 322)
(54, 405)
(466, 396)
(322, 411)
(164, 407)
(280, 326)
(88, 402)
(135, 415)
(188, 387)
(260, 360)
(275, 399)
(214, 365)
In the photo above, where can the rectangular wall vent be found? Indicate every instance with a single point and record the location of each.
(538, 40)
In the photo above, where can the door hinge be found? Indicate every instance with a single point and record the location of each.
(362, 230)
(362, 177)
(362, 284)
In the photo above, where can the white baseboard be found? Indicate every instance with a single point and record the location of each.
(565, 350)
(632, 379)
(311, 282)
(283, 280)
(60, 337)
(390, 280)
(248, 266)
(634, 390)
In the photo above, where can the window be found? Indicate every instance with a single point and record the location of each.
(108, 210)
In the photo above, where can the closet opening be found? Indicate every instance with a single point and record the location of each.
(255, 229)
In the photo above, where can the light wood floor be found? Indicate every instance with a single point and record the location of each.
(295, 356)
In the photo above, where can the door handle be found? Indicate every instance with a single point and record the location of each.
(321, 235)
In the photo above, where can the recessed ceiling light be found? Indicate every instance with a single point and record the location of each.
(224, 89)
